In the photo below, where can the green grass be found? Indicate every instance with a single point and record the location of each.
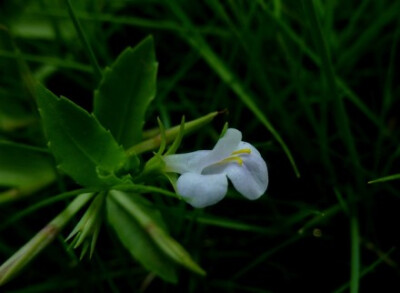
(313, 84)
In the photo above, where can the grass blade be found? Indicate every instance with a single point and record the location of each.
(89, 51)
(44, 237)
(213, 60)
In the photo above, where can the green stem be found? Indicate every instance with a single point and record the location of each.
(353, 98)
(139, 188)
(35, 207)
(355, 255)
(50, 61)
(170, 135)
(366, 270)
(331, 92)
(168, 245)
(44, 237)
(386, 178)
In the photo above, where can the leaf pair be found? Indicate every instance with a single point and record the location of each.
(87, 146)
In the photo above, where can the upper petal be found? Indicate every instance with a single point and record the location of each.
(250, 178)
(224, 147)
(182, 163)
(202, 190)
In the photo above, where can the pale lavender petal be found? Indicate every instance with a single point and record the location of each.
(202, 190)
(182, 163)
(250, 178)
(224, 147)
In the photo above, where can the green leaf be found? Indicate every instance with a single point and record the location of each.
(121, 101)
(16, 109)
(88, 228)
(21, 258)
(24, 168)
(178, 139)
(82, 147)
(151, 221)
(386, 178)
(155, 139)
(137, 239)
(13, 113)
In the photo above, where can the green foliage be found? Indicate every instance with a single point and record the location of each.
(24, 169)
(13, 114)
(134, 232)
(312, 84)
(41, 240)
(16, 108)
(150, 220)
(88, 228)
(386, 178)
(82, 147)
(127, 88)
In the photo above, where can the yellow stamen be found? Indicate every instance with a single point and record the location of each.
(236, 159)
(242, 151)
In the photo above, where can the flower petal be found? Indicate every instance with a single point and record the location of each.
(202, 190)
(182, 163)
(224, 147)
(251, 178)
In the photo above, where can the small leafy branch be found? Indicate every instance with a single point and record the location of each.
(100, 151)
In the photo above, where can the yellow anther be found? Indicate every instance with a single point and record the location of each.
(242, 151)
(236, 159)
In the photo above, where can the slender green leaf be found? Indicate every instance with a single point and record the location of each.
(88, 228)
(50, 61)
(24, 168)
(386, 178)
(366, 35)
(125, 92)
(82, 147)
(226, 74)
(355, 254)
(150, 220)
(41, 240)
(89, 51)
(138, 241)
(13, 114)
(292, 35)
(131, 20)
(331, 91)
(383, 257)
(41, 204)
(178, 139)
(16, 107)
(170, 134)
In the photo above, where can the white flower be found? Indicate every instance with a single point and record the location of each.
(204, 173)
